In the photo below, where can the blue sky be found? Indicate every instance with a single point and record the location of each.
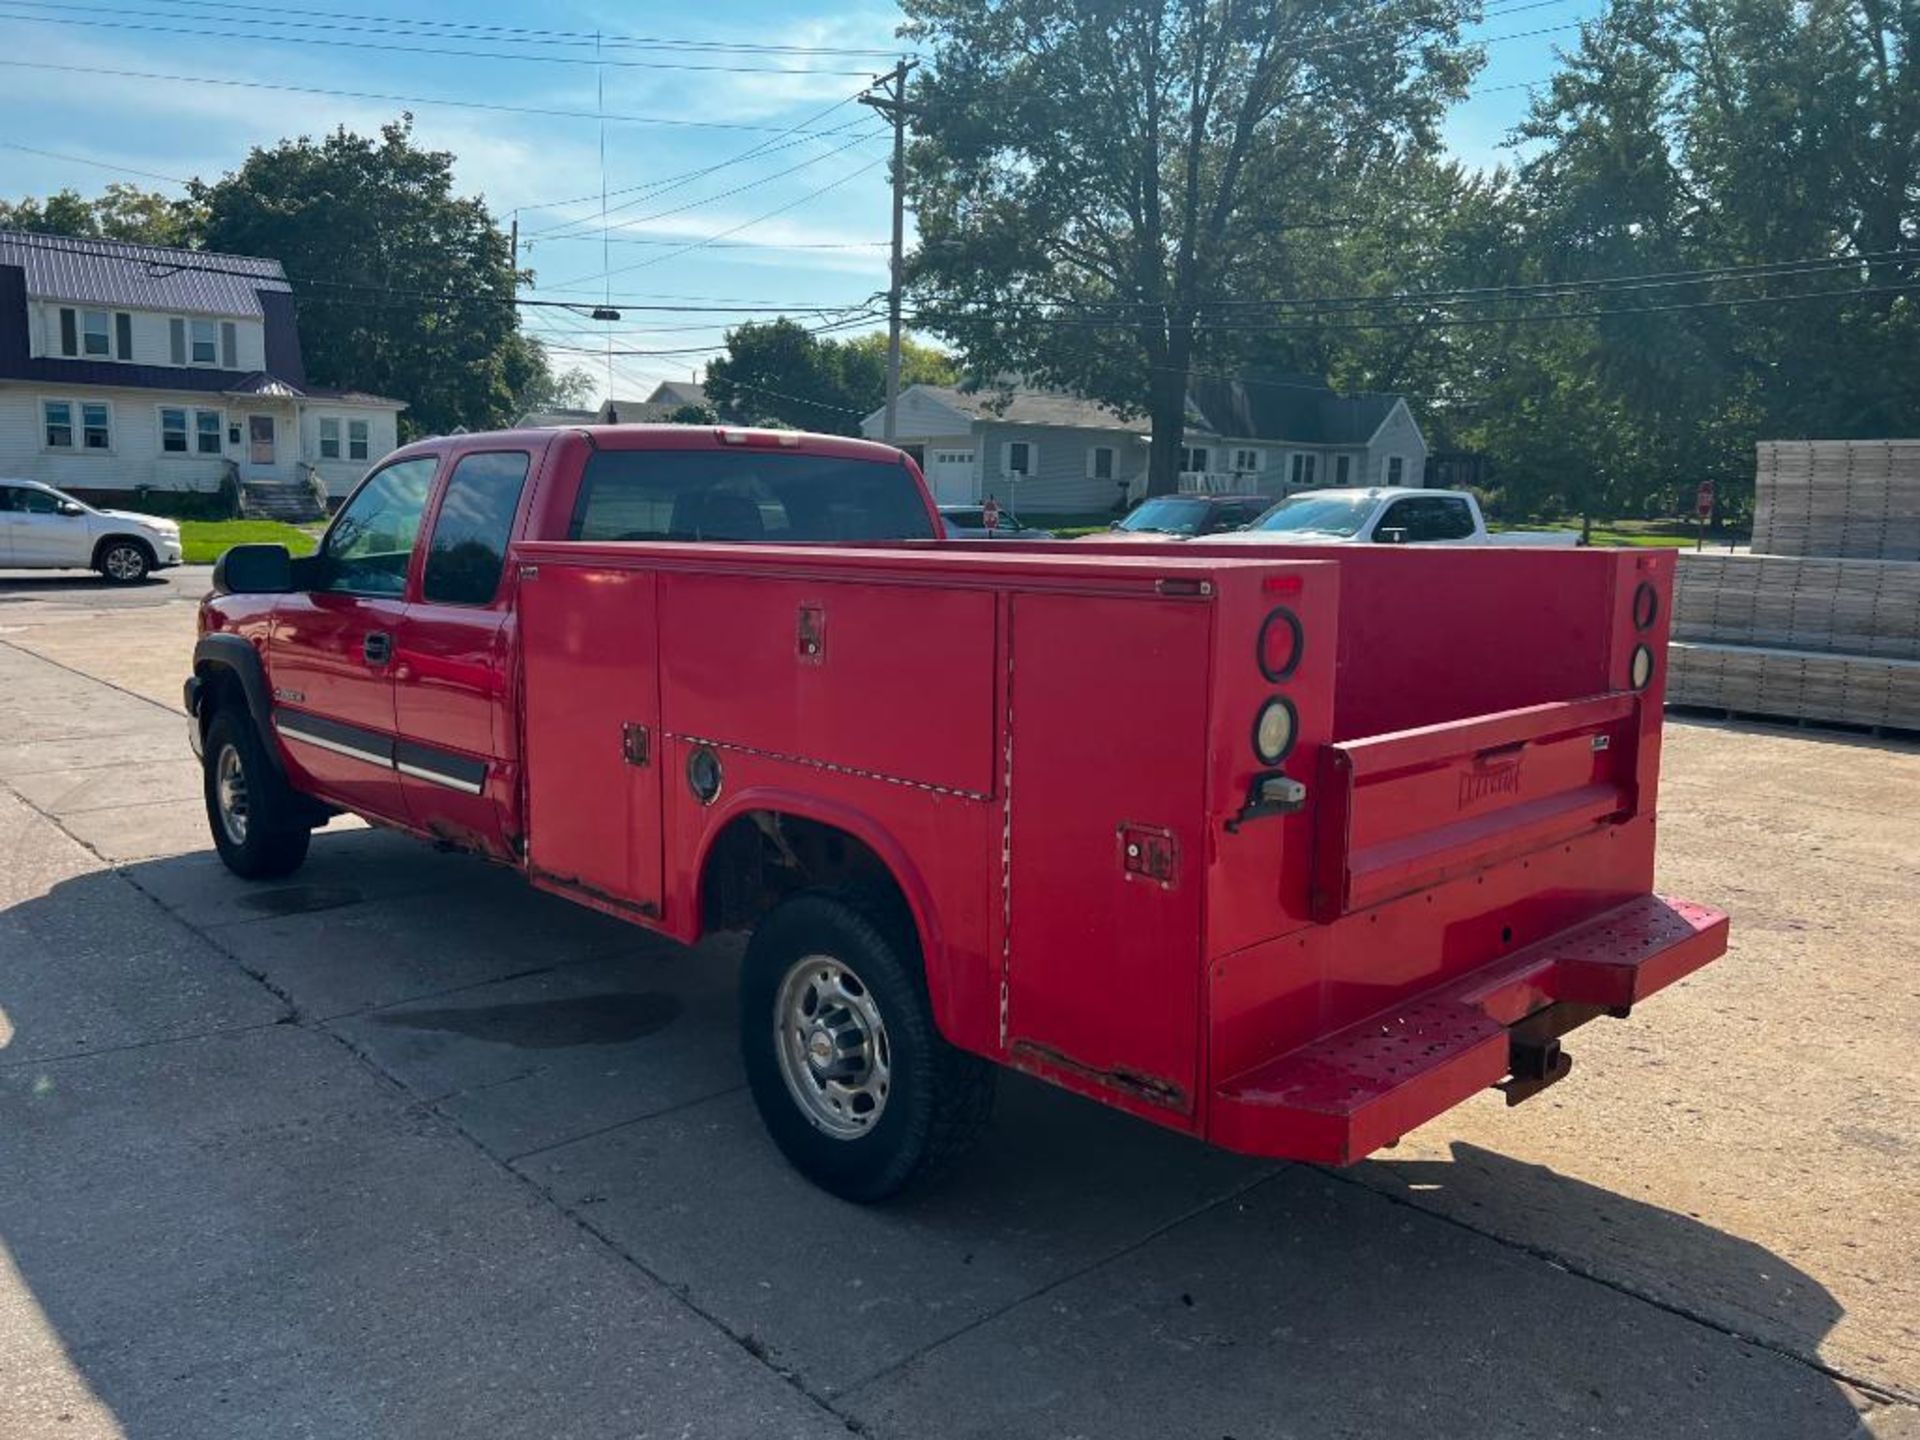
(823, 249)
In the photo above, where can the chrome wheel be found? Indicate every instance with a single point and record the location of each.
(832, 1045)
(230, 792)
(124, 563)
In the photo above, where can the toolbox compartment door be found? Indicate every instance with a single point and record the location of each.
(1398, 813)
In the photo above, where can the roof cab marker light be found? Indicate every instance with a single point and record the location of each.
(787, 438)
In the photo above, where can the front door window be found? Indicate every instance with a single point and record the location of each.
(260, 439)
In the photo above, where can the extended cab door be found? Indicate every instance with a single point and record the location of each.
(454, 742)
(331, 653)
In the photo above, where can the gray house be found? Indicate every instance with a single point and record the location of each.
(1044, 453)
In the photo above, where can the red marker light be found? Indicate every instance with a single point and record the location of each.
(1281, 640)
(1281, 584)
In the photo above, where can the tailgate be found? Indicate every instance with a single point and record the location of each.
(1398, 813)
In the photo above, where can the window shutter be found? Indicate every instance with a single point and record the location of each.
(123, 335)
(69, 332)
(229, 345)
(177, 338)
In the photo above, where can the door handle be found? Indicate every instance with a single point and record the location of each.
(377, 648)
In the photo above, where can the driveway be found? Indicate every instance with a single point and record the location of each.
(403, 1148)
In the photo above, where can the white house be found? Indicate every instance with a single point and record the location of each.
(127, 367)
(1045, 453)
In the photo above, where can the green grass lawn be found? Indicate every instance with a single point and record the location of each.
(202, 541)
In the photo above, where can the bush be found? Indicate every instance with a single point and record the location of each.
(220, 504)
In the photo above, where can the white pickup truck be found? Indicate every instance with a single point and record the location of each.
(1383, 515)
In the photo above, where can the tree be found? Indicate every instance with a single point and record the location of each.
(120, 212)
(546, 389)
(780, 372)
(402, 287)
(1093, 178)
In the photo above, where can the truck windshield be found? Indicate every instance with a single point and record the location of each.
(1317, 515)
(1169, 516)
(745, 495)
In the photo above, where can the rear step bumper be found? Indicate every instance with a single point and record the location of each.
(1339, 1098)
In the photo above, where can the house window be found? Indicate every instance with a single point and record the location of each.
(356, 439)
(1342, 468)
(182, 430)
(1019, 458)
(1304, 468)
(1396, 467)
(58, 415)
(1100, 462)
(96, 426)
(205, 337)
(329, 438)
(96, 333)
(1193, 460)
(1245, 462)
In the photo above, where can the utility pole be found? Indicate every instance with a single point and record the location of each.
(889, 97)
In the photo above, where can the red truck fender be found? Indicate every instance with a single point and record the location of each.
(862, 827)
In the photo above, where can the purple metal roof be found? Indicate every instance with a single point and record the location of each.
(143, 277)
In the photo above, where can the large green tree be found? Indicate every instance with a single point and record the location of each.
(120, 212)
(1100, 183)
(403, 287)
(779, 372)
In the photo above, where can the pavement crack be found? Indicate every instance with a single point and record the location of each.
(1875, 1389)
(616, 1125)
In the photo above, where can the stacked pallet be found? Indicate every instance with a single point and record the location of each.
(1822, 621)
(1839, 607)
(1855, 499)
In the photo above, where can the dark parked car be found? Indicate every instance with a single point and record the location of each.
(1186, 517)
(969, 522)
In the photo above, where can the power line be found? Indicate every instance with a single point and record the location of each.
(102, 164)
(466, 54)
(550, 37)
(170, 265)
(939, 321)
(1147, 310)
(385, 97)
(727, 233)
(799, 136)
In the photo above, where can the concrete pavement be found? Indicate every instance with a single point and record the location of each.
(402, 1148)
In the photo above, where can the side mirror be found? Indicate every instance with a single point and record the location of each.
(254, 570)
(68, 507)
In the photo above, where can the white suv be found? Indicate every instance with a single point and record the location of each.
(42, 528)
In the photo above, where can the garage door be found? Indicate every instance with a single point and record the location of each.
(950, 476)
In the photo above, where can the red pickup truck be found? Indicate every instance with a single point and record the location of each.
(1289, 851)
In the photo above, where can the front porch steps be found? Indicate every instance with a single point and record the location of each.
(290, 500)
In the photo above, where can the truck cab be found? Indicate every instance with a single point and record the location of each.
(1211, 835)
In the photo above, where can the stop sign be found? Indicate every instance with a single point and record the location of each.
(1703, 500)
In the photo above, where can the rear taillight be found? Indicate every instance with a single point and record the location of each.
(1646, 605)
(1281, 640)
(1640, 668)
(1273, 731)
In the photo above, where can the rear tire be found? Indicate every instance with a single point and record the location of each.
(851, 1077)
(124, 562)
(259, 825)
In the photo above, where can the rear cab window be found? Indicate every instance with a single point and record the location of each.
(746, 496)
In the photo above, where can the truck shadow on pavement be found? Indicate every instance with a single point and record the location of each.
(360, 1201)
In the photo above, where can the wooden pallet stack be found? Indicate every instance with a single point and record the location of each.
(1854, 499)
(1822, 621)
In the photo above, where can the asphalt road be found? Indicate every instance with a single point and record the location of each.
(401, 1148)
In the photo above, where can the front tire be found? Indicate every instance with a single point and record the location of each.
(851, 1078)
(257, 823)
(124, 562)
